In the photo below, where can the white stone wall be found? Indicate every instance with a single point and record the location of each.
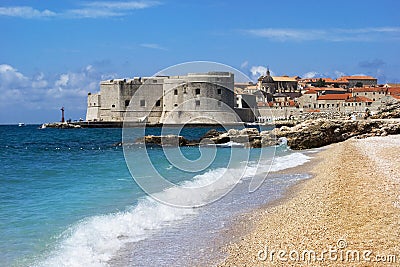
(209, 97)
(375, 96)
(93, 107)
(199, 98)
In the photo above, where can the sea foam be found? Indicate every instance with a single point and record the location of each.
(96, 240)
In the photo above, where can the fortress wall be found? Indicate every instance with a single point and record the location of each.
(147, 103)
(93, 107)
(152, 99)
(198, 95)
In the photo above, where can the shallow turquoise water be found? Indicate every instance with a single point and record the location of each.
(63, 192)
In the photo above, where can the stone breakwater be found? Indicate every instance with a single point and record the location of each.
(60, 125)
(305, 135)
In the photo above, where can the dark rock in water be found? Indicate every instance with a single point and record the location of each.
(305, 135)
(211, 134)
(166, 140)
(256, 143)
(245, 136)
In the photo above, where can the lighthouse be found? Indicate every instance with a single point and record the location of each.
(62, 115)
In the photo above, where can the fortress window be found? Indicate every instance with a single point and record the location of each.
(176, 92)
(142, 103)
(126, 103)
(219, 91)
(94, 104)
(198, 102)
(197, 91)
(158, 103)
(175, 105)
(154, 81)
(219, 103)
(113, 106)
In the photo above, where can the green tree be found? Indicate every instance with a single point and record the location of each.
(320, 83)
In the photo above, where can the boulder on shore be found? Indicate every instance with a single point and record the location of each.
(305, 135)
(165, 140)
(322, 132)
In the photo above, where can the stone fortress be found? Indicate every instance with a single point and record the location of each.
(214, 97)
(198, 98)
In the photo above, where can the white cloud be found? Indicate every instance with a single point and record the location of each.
(334, 35)
(154, 46)
(95, 9)
(120, 5)
(286, 34)
(311, 74)
(39, 92)
(63, 80)
(11, 77)
(339, 73)
(39, 81)
(25, 12)
(106, 9)
(258, 70)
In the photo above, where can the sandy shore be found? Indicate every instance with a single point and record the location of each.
(348, 213)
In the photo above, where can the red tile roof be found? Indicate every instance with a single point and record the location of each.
(369, 89)
(357, 78)
(327, 80)
(328, 89)
(359, 99)
(310, 92)
(292, 103)
(334, 97)
(394, 90)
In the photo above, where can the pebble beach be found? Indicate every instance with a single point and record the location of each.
(347, 214)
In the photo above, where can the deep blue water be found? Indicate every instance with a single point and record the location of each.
(68, 192)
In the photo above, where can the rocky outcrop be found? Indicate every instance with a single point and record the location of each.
(249, 137)
(309, 134)
(60, 125)
(389, 112)
(166, 140)
(305, 135)
(321, 132)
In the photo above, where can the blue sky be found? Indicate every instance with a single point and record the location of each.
(53, 52)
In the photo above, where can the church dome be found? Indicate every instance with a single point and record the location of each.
(268, 78)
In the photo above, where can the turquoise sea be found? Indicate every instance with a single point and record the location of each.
(67, 197)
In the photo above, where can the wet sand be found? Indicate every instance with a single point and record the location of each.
(348, 214)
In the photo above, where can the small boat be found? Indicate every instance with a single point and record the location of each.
(21, 124)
